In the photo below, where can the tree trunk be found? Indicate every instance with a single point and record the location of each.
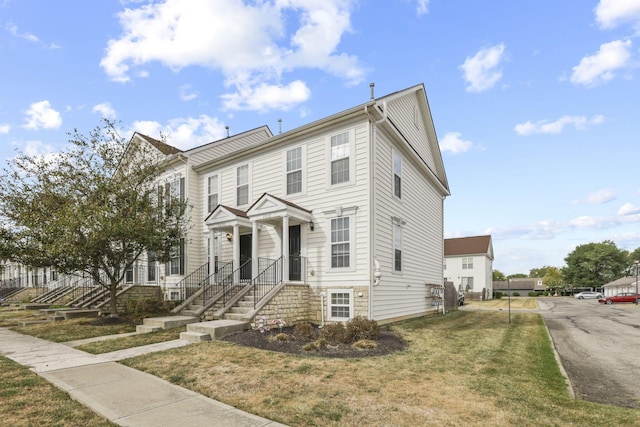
(113, 289)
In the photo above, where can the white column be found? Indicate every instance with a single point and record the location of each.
(236, 252)
(254, 249)
(285, 248)
(212, 251)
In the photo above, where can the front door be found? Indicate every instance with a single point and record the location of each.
(295, 261)
(245, 257)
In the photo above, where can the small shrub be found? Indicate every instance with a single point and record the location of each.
(139, 309)
(533, 294)
(333, 333)
(282, 337)
(365, 344)
(310, 346)
(361, 328)
(321, 343)
(304, 330)
(498, 295)
(516, 294)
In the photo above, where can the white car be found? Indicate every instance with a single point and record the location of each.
(588, 294)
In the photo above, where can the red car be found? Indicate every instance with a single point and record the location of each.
(621, 297)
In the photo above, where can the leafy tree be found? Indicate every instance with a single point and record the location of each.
(94, 208)
(517, 276)
(552, 277)
(498, 276)
(633, 257)
(540, 272)
(594, 264)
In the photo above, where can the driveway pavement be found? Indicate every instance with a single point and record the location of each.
(599, 346)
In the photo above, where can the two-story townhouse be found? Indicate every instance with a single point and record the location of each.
(469, 264)
(338, 218)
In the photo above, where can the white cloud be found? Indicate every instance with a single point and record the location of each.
(481, 71)
(13, 29)
(422, 7)
(544, 126)
(187, 93)
(105, 109)
(250, 43)
(41, 115)
(264, 97)
(454, 144)
(37, 149)
(4, 128)
(611, 13)
(600, 67)
(628, 209)
(601, 196)
(184, 133)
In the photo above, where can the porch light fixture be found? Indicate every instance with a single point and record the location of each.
(312, 226)
(229, 236)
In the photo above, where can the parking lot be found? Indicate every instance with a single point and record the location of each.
(599, 346)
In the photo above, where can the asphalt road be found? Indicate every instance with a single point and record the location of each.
(599, 346)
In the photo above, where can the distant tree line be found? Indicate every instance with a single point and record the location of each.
(589, 265)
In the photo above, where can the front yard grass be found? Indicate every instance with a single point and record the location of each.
(73, 329)
(516, 302)
(28, 400)
(466, 368)
(115, 344)
(12, 316)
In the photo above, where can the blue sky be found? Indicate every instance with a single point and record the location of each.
(536, 104)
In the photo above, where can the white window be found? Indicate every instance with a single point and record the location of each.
(467, 283)
(340, 158)
(294, 171)
(397, 174)
(174, 295)
(213, 190)
(242, 185)
(397, 247)
(467, 263)
(341, 242)
(340, 304)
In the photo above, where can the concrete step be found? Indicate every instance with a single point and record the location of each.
(218, 328)
(169, 322)
(195, 337)
(234, 316)
(145, 329)
(247, 304)
(243, 310)
(74, 314)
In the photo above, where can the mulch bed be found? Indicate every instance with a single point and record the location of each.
(387, 343)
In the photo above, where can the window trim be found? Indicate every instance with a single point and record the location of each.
(303, 170)
(330, 292)
(352, 139)
(396, 156)
(336, 214)
(208, 193)
(248, 184)
(468, 265)
(397, 232)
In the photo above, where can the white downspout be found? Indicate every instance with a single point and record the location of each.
(372, 248)
(322, 309)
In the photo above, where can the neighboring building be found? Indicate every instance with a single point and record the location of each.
(469, 264)
(348, 210)
(522, 286)
(624, 284)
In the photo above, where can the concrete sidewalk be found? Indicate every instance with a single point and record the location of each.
(123, 395)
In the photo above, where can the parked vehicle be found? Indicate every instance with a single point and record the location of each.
(621, 297)
(460, 298)
(588, 294)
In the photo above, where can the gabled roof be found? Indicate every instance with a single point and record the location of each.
(621, 282)
(159, 145)
(476, 245)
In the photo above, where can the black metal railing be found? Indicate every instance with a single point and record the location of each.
(191, 283)
(266, 280)
(297, 268)
(214, 282)
(232, 284)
